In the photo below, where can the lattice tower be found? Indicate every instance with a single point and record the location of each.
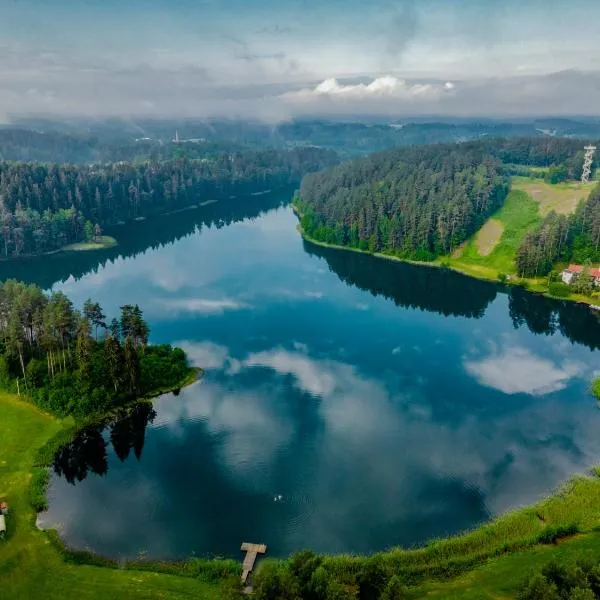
(587, 163)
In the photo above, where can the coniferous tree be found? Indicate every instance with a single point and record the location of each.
(93, 312)
(113, 355)
(84, 348)
(132, 371)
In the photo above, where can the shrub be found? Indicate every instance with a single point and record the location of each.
(596, 387)
(552, 534)
(37, 489)
(559, 289)
(538, 588)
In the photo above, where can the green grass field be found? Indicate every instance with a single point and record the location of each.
(562, 198)
(519, 215)
(489, 562)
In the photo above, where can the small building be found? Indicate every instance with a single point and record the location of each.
(572, 272)
(2, 526)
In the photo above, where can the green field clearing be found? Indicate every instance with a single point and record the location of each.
(562, 198)
(519, 215)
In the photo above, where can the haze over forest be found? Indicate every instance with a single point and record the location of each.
(298, 58)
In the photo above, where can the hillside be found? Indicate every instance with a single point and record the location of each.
(422, 204)
(415, 203)
(48, 206)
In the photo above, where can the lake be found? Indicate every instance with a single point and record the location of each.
(349, 404)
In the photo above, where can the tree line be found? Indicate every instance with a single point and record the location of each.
(73, 362)
(573, 238)
(43, 207)
(413, 202)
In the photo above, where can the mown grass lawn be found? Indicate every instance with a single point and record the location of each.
(519, 215)
(30, 567)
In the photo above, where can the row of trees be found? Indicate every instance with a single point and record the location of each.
(414, 202)
(27, 231)
(306, 576)
(560, 238)
(52, 352)
(44, 207)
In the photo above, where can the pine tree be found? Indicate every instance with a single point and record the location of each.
(132, 367)
(84, 348)
(113, 357)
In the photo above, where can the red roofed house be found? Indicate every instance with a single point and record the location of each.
(572, 272)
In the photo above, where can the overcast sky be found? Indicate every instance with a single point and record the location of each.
(275, 59)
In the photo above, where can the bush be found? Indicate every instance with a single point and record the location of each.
(502, 277)
(538, 588)
(559, 289)
(37, 489)
(596, 387)
(37, 372)
(552, 534)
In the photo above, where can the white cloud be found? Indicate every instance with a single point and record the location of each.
(205, 354)
(382, 87)
(204, 306)
(309, 376)
(515, 370)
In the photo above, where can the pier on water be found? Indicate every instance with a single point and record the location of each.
(252, 551)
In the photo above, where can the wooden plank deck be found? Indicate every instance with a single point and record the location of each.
(252, 551)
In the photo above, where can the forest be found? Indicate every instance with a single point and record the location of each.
(420, 203)
(73, 362)
(45, 207)
(107, 140)
(416, 203)
(574, 238)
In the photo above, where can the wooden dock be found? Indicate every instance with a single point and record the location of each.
(252, 551)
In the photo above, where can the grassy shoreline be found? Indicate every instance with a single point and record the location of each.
(494, 557)
(534, 286)
(105, 242)
(35, 563)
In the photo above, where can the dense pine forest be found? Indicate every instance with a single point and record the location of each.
(423, 202)
(560, 238)
(415, 202)
(73, 362)
(45, 207)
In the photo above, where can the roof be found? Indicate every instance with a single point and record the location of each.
(580, 268)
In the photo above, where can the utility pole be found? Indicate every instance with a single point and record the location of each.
(588, 159)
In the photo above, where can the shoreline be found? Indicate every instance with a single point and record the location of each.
(524, 534)
(107, 242)
(440, 264)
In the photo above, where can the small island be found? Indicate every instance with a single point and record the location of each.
(101, 243)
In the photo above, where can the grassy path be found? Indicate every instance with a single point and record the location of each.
(30, 566)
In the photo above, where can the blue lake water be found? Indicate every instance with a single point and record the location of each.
(349, 404)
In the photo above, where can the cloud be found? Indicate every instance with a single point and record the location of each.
(206, 355)
(516, 370)
(309, 376)
(204, 306)
(382, 87)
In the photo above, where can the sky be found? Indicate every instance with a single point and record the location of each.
(278, 59)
